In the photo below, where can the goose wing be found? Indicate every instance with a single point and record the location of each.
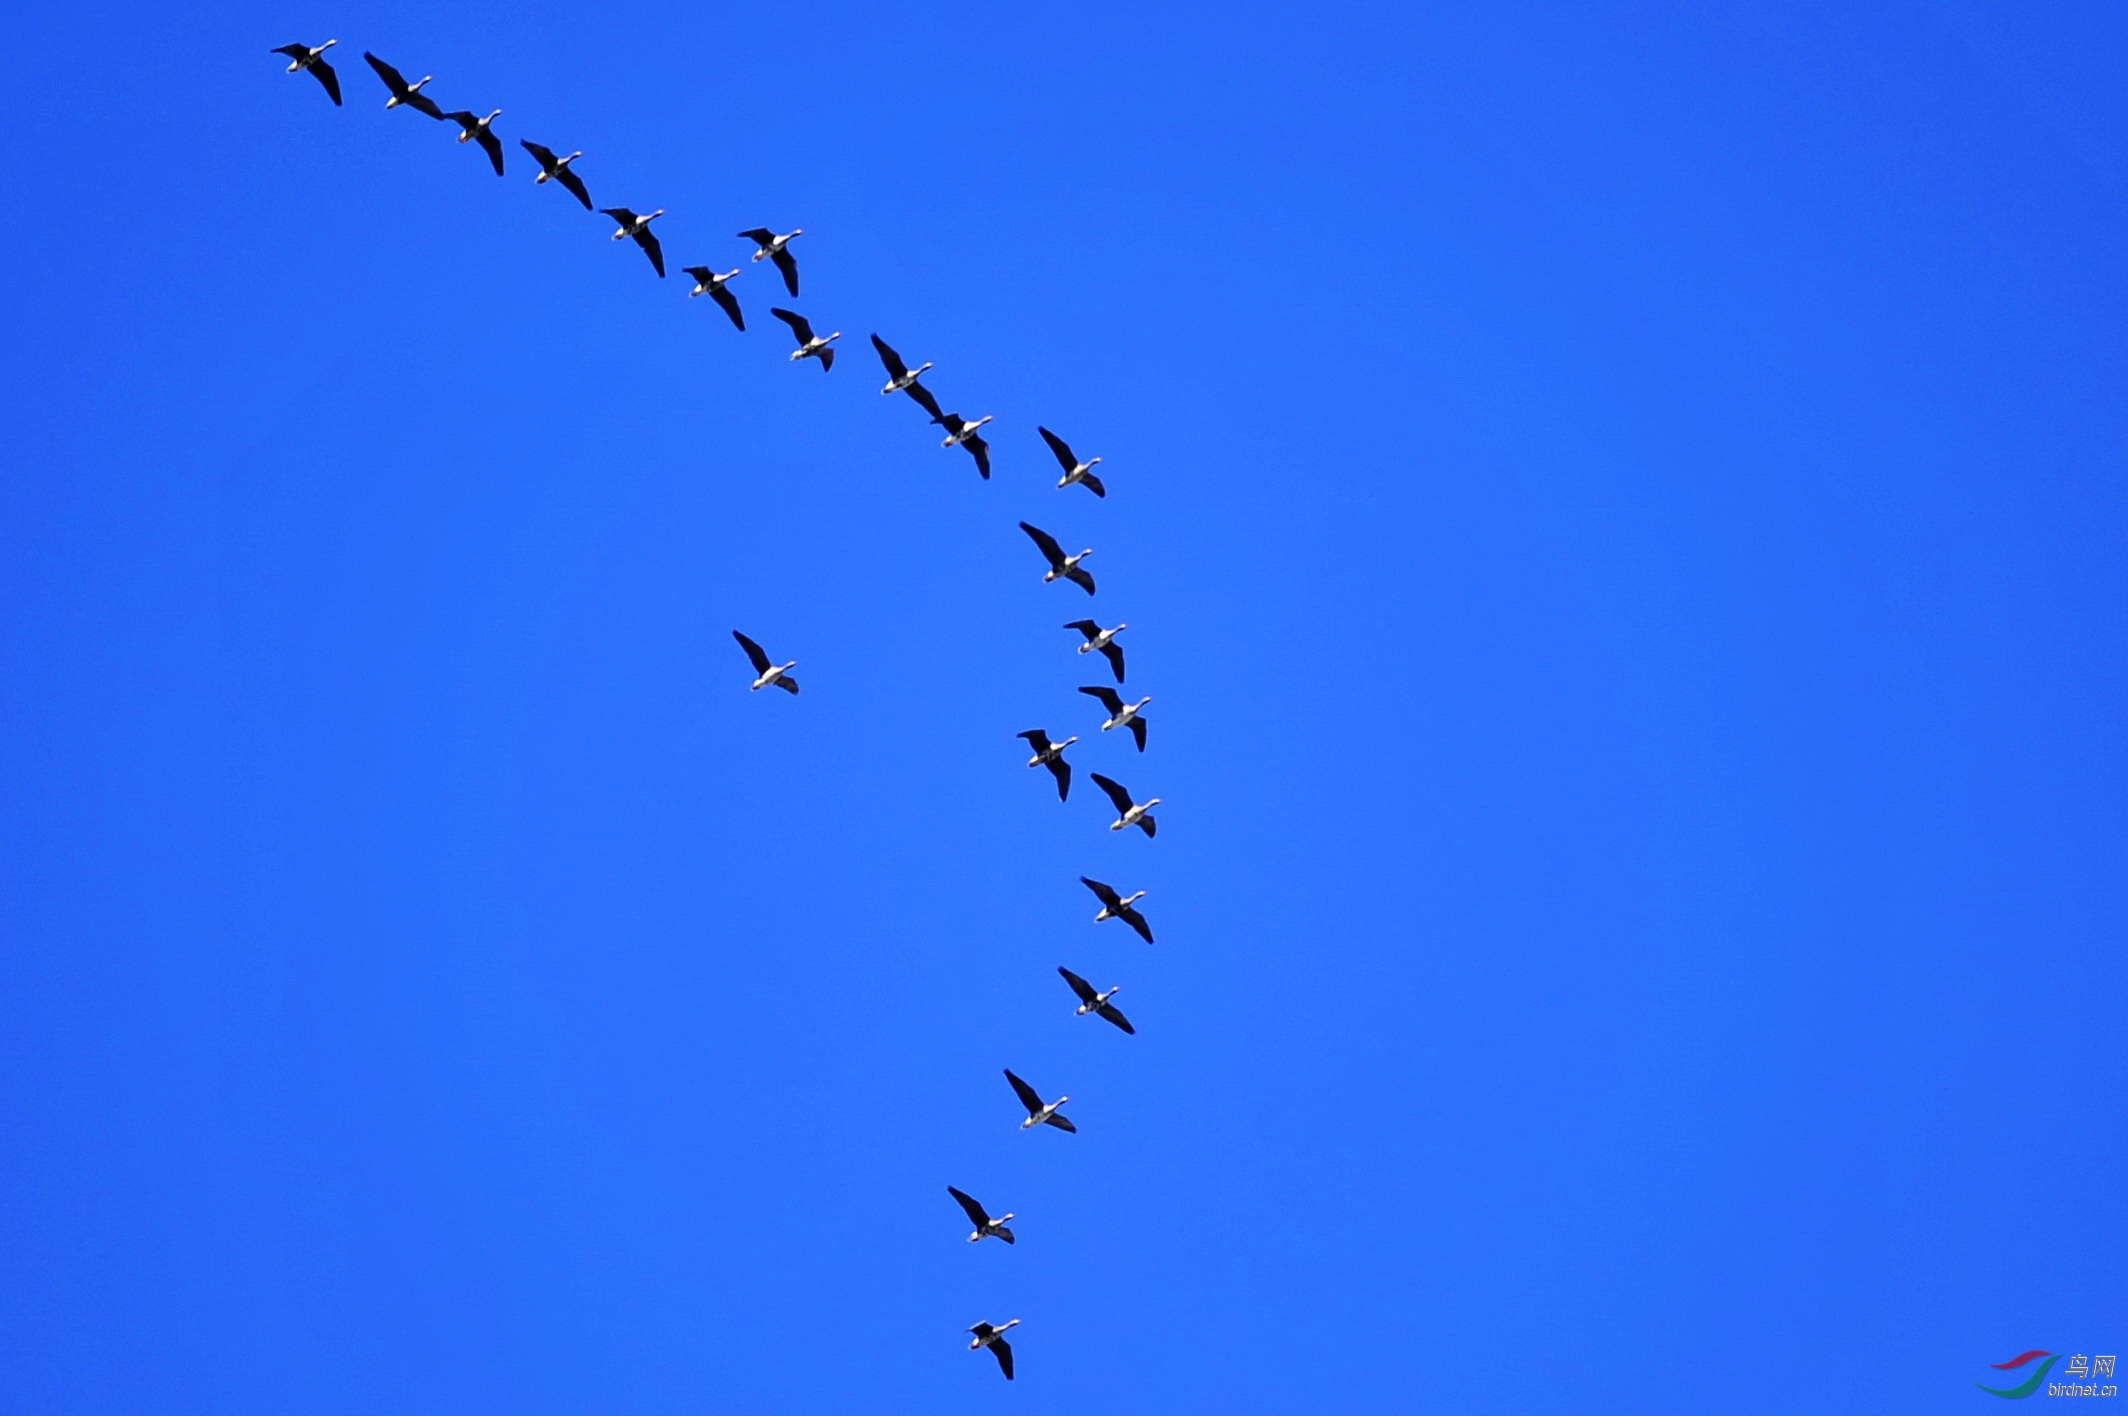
(1115, 1015)
(1115, 791)
(468, 121)
(1061, 770)
(784, 261)
(753, 652)
(1113, 652)
(293, 51)
(976, 1216)
(422, 103)
(788, 685)
(648, 240)
(895, 367)
(1058, 446)
(701, 274)
(1029, 1098)
(1089, 628)
(1093, 484)
(1062, 1123)
(1110, 699)
(1036, 739)
(622, 216)
(729, 303)
(393, 79)
(1081, 577)
(487, 139)
(980, 451)
(327, 77)
(760, 236)
(1002, 1350)
(1103, 892)
(1130, 916)
(541, 154)
(925, 401)
(1045, 542)
(800, 325)
(1137, 729)
(573, 184)
(1086, 991)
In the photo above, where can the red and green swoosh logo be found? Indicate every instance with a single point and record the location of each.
(2030, 1384)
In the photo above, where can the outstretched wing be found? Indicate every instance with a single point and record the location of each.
(1081, 577)
(827, 360)
(1044, 542)
(976, 1216)
(1089, 628)
(487, 139)
(800, 325)
(1062, 1123)
(784, 261)
(1130, 916)
(293, 51)
(895, 367)
(924, 400)
(648, 240)
(1036, 739)
(788, 685)
(327, 77)
(729, 303)
(541, 154)
(1061, 770)
(467, 120)
(753, 652)
(981, 452)
(1110, 699)
(1029, 1098)
(1093, 484)
(393, 79)
(1115, 1015)
(1058, 446)
(1149, 826)
(1086, 991)
(574, 185)
(422, 103)
(1115, 791)
(1002, 1350)
(622, 216)
(1113, 652)
(760, 235)
(1137, 727)
(1103, 892)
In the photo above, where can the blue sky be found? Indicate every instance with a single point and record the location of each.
(1621, 514)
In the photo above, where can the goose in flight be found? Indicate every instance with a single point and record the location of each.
(769, 673)
(1051, 755)
(408, 94)
(810, 345)
(1097, 1003)
(1103, 642)
(637, 229)
(1132, 813)
(1061, 566)
(1115, 906)
(985, 1226)
(477, 130)
(777, 248)
(708, 282)
(960, 430)
(302, 56)
(1040, 1112)
(1121, 714)
(556, 169)
(994, 1339)
(1074, 470)
(900, 377)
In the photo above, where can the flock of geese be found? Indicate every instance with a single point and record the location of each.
(775, 248)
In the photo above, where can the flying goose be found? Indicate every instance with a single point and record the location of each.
(1097, 1003)
(994, 1339)
(708, 282)
(1102, 641)
(556, 169)
(1051, 755)
(958, 430)
(302, 56)
(1040, 1112)
(1061, 566)
(1074, 470)
(1115, 906)
(810, 345)
(402, 92)
(900, 376)
(637, 229)
(777, 248)
(1121, 714)
(769, 673)
(1133, 813)
(985, 1226)
(476, 130)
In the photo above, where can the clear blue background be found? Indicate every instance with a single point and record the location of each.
(1622, 516)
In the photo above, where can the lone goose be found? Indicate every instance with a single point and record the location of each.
(476, 130)
(994, 1339)
(1115, 906)
(985, 1226)
(1097, 1003)
(900, 376)
(1051, 755)
(1121, 714)
(402, 92)
(777, 248)
(1061, 566)
(769, 673)
(1138, 814)
(1102, 641)
(810, 345)
(637, 229)
(1040, 1112)
(1074, 470)
(556, 169)
(708, 282)
(302, 56)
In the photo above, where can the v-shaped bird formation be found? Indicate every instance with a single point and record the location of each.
(966, 433)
